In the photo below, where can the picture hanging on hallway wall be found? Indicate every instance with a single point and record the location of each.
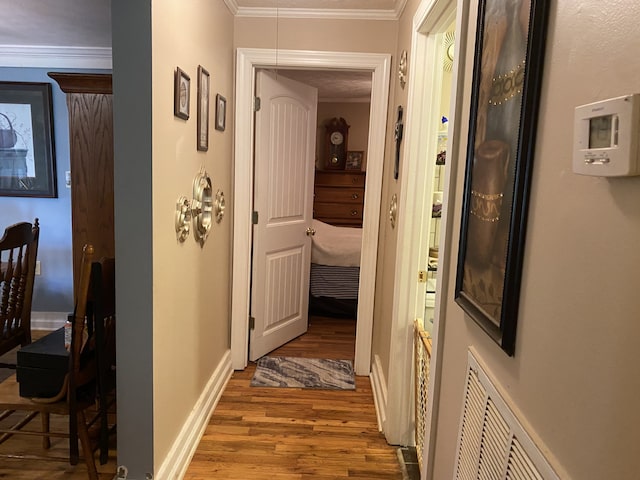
(203, 109)
(221, 112)
(507, 76)
(27, 154)
(181, 94)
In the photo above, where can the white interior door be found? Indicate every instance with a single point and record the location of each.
(283, 195)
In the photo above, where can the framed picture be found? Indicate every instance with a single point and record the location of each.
(181, 94)
(354, 160)
(221, 112)
(203, 109)
(27, 155)
(507, 75)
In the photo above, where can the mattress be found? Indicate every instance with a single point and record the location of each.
(335, 246)
(334, 281)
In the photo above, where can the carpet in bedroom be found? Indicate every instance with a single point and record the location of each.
(294, 372)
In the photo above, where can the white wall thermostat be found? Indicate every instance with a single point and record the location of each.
(606, 137)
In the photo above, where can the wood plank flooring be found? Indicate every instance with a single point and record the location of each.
(265, 433)
(297, 434)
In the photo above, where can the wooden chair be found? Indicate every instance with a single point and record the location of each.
(18, 253)
(78, 393)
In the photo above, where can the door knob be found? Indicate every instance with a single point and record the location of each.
(310, 232)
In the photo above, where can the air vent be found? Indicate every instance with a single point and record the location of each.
(492, 444)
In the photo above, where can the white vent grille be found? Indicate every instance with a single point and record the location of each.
(492, 444)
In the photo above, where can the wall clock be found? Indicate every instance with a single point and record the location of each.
(337, 134)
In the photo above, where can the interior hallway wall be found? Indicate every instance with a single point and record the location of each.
(173, 298)
(372, 36)
(574, 377)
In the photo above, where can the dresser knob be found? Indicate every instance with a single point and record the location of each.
(354, 213)
(355, 196)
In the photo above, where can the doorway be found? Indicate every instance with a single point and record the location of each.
(433, 20)
(248, 60)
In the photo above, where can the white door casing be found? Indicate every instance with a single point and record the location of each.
(283, 192)
(247, 62)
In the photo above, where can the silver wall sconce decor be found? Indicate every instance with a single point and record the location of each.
(200, 210)
(219, 206)
(183, 218)
(393, 210)
(202, 206)
(402, 69)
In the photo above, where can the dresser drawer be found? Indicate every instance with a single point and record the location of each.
(339, 194)
(337, 210)
(341, 178)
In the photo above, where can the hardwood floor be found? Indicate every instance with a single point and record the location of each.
(265, 433)
(296, 434)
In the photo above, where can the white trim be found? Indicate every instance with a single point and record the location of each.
(379, 388)
(414, 209)
(177, 461)
(33, 56)
(48, 320)
(323, 13)
(232, 5)
(247, 61)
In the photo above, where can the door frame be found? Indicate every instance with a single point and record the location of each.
(247, 61)
(430, 19)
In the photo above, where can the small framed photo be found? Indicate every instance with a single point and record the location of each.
(181, 94)
(203, 109)
(221, 112)
(354, 160)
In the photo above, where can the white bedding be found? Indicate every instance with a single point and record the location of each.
(336, 246)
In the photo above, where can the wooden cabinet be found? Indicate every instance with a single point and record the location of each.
(339, 197)
(89, 100)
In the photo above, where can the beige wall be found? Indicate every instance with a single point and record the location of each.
(357, 117)
(350, 36)
(191, 283)
(574, 376)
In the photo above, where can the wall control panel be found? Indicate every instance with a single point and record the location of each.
(606, 142)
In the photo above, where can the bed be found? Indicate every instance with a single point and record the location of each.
(335, 270)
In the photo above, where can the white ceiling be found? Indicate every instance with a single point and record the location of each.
(87, 23)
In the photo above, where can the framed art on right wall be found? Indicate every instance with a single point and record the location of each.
(507, 76)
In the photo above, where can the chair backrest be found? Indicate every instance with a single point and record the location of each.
(18, 254)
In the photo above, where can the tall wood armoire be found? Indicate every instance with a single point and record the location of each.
(90, 104)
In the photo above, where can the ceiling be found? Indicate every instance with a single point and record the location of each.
(87, 23)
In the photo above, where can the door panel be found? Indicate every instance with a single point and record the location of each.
(283, 189)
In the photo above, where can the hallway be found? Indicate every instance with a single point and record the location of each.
(295, 434)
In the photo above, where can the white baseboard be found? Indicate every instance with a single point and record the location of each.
(48, 320)
(379, 386)
(177, 460)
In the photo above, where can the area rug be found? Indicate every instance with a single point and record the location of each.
(293, 372)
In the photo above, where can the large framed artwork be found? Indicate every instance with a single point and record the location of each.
(509, 54)
(27, 155)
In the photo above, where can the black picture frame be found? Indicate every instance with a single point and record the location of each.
(221, 112)
(507, 76)
(181, 94)
(27, 153)
(203, 109)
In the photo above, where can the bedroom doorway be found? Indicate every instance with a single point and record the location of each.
(248, 61)
(283, 193)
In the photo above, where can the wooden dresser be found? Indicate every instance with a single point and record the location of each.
(339, 197)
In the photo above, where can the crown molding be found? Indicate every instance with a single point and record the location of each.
(232, 5)
(37, 56)
(319, 13)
